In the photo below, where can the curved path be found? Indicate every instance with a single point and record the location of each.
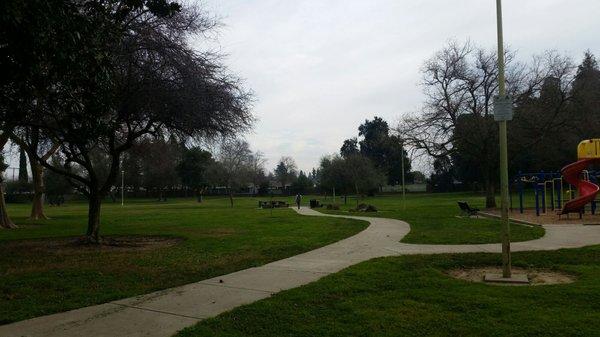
(165, 312)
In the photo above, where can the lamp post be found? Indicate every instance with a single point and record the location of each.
(502, 114)
(13, 172)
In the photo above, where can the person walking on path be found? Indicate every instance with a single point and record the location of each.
(298, 200)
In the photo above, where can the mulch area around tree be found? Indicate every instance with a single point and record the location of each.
(536, 277)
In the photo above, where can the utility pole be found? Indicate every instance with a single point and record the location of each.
(502, 114)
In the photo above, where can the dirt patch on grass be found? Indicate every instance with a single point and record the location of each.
(537, 277)
(109, 243)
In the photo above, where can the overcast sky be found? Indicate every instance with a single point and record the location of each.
(320, 68)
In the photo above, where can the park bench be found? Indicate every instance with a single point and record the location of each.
(314, 203)
(466, 209)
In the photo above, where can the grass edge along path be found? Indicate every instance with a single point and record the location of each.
(218, 240)
(435, 219)
(412, 295)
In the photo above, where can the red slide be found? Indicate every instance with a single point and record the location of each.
(587, 190)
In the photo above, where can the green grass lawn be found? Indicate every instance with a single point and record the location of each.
(412, 296)
(434, 218)
(217, 240)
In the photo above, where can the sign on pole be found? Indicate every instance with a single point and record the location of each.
(503, 108)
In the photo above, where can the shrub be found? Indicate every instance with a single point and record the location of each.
(333, 206)
(17, 187)
(18, 198)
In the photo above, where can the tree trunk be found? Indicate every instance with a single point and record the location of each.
(231, 197)
(490, 194)
(37, 207)
(93, 229)
(5, 221)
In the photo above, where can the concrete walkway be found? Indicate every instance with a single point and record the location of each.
(163, 313)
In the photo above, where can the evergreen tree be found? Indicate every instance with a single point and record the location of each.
(192, 169)
(349, 148)
(302, 185)
(286, 171)
(383, 149)
(585, 107)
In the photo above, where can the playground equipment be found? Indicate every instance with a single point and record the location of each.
(553, 189)
(588, 152)
(548, 189)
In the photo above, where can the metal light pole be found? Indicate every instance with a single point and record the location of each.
(122, 187)
(504, 101)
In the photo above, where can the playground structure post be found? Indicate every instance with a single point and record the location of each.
(552, 195)
(537, 200)
(548, 187)
(403, 185)
(543, 197)
(570, 192)
(506, 259)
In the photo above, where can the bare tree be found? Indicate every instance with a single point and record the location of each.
(286, 171)
(353, 173)
(460, 82)
(234, 165)
(257, 169)
(362, 174)
(159, 164)
(457, 123)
